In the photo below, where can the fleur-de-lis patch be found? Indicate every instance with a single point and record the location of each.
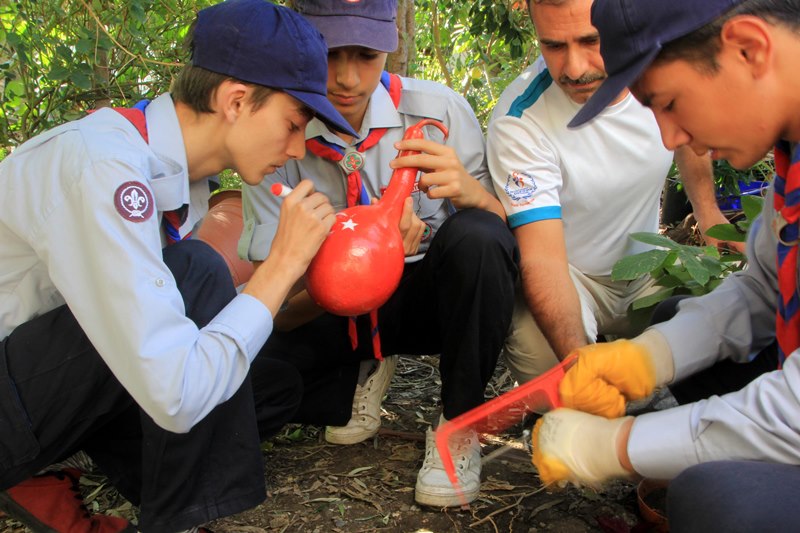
(133, 201)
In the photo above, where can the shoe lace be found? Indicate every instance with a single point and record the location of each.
(461, 450)
(362, 394)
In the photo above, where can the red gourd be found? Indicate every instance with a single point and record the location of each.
(359, 264)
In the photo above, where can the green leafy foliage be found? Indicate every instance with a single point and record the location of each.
(727, 178)
(60, 58)
(476, 48)
(737, 230)
(678, 268)
(683, 268)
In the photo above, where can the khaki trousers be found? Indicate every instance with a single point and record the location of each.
(604, 308)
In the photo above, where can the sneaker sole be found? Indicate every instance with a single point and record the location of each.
(444, 500)
(335, 437)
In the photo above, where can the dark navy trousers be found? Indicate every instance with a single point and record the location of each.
(457, 302)
(735, 497)
(57, 396)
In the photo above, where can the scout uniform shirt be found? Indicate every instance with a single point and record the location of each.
(419, 99)
(80, 224)
(760, 422)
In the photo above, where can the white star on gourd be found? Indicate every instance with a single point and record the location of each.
(349, 224)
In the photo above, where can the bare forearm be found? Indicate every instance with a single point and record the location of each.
(555, 306)
(492, 204)
(300, 309)
(697, 177)
(272, 282)
(698, 181)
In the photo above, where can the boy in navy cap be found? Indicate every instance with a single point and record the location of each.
(456, 294)
(140, 354)
(720, 76)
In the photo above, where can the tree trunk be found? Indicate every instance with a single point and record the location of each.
(399, 60)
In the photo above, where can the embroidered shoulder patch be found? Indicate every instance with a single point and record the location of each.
(520, 187)
(133, 201)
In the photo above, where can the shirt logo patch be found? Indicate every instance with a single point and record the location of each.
(520, 187)
(133, 201)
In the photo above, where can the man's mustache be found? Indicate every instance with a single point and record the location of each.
(586, 78)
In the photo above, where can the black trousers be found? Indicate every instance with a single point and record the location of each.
(456, 302)
(734, 497)
(57, 396)
(721, 378)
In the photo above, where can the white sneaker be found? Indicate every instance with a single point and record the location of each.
(365, 420)
(433, 485)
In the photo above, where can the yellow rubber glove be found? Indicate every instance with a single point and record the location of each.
(608, 374)
(571, 446)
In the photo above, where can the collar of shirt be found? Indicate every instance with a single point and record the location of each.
(166, 141)
(381, 113)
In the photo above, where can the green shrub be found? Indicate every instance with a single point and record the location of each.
(684, 268)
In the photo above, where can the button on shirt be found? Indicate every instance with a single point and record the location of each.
(66, 240)
(420, 99)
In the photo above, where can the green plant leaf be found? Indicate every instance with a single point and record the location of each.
(652, 299)
(712, 266)
(726, 232)
(669, 281)
(637, 265)
(714, 283)
(694, 267)
(655, 239)
(85, 45)
(81, 80)
(732, 257)
(711, 251)
(752, 206)
(58, 73)
(15, 87)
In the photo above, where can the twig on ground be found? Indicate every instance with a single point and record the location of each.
(488, 518)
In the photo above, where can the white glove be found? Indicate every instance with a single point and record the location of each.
(572, 446)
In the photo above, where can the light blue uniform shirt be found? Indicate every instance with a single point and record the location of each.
(80, 224)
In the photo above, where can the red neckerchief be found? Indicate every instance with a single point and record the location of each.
(787, 207)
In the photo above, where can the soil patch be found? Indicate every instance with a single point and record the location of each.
(317, 487)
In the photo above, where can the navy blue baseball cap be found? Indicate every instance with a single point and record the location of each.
(632, 33)
(258, 42)
(368, 23)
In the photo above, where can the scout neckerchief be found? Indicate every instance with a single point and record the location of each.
(351, 161)
(787, 207)
(170, 220)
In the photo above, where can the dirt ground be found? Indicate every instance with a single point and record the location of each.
(318, 487)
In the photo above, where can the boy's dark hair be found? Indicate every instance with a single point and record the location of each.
(702, 46)
(195, 86)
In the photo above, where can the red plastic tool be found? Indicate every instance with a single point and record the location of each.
(536, 396)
